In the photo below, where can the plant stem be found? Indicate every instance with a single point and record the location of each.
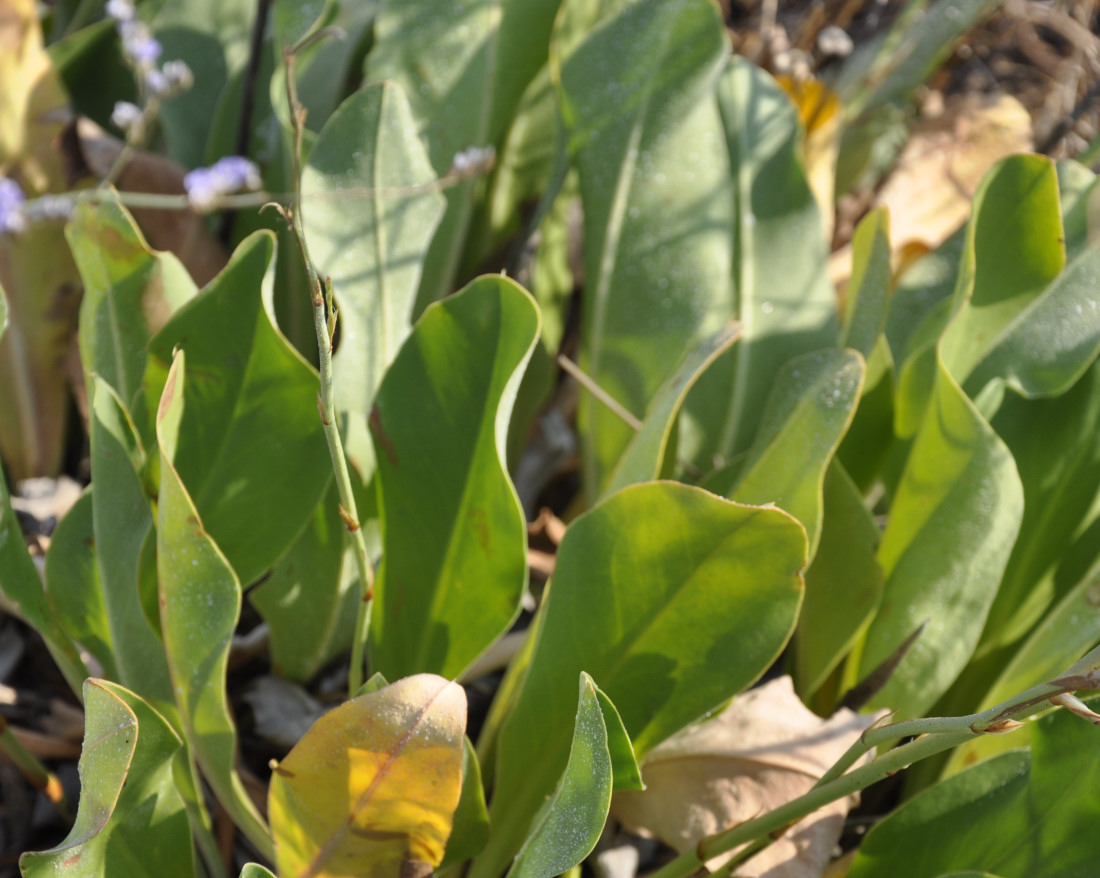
(324, 322)
(33, 770)
(936, 735)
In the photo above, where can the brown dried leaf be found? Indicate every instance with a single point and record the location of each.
(931, 188)
(761, 752)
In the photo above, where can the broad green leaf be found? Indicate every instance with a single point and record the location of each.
(1048, 345)
(959, 505)
(647, 143)
(1053, 444)
(843, 584)
(255, 870)
(131, 819)
(525, 172)
(122, 522)
(952, 525)
(130, 291)
(1066, 633)
(1019, 815)
(1077, 185)
(569, 823)
(919, 290)
(812, 402)
(22, 592)
(869, 441)
(247, 386)
(625, 772)
(464, 67)
(73, 586)
(373, 248)
(675, 567)
(644, 456)
(200, 602)
(372, 788)
(93, 67)
(213, 36)
(868, 297)
(296, 19)
(471, 820)
(309, 600)
(439, 428)
(1015, 250)
(783, 297)
(966, 815)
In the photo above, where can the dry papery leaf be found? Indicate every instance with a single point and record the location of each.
(764, 750)
(956, 142)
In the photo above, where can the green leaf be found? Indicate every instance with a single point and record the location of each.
(1064, 635)
(1049, 344)
(644, 456)
(213, 36)
(122, 521)
(626, 773)
(130, 291)
(676, 567)
(310, 598)
(255, 870)
(783, 297)
(471, 820)
(23, 594)
(131, 819)
(569, 824)
(646, 141)
(296, 19)
(73, 586)
(247, 385)
(464, 67)
(1053, 444)
(869, 288)
(869, 441)
(1077, 185)
(952, 525)
(958, 508)
(810, 407)
(372, 248)
(1014, 251)
(200, 601)
(843, 584)
(439, 429)
(1019, 815)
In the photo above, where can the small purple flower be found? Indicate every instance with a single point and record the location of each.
(206, 185)
(121, 10)
(125, 115)
(156, 83)
(12, 218)
(138, 43)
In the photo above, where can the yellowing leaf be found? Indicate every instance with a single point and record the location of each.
(372, 788)
(819, 111)
(761, 752)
